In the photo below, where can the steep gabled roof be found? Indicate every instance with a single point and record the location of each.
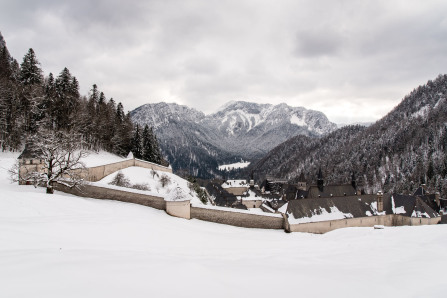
(322, 209)
(332, 208)
(275, 204)
(290, 191)
(412, 206)
(334, 190)
(430, 200)
(420, 191)
(421, 209)
(30, 152)
(221, 196)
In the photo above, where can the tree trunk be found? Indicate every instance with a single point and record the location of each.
(50, 189)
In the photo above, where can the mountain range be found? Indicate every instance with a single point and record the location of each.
(401, 151)
(199, 143)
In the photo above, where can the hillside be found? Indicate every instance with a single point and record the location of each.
(199, 143)
(399, 152)
(65, 246)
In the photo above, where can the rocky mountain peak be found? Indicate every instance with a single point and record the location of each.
(237, 130)
(162, 114)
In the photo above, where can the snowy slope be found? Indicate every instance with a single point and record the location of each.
(236, 165)
(137, 175)
(94, 159)
(65, 246)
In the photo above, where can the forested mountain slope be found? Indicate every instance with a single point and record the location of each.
(405, 148)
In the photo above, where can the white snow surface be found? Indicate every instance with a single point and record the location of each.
(294, 119)
(137, 175)
(94, 159)
(232, 166)
(419, 214)
(65, 246)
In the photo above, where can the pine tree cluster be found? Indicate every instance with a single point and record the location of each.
(145, 145)
(30, 102)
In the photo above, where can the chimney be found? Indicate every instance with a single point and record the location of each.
(302, 182)
(437, 198)
(379, 201)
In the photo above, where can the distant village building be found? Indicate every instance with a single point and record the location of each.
(323, 208)
(325, 214)
(220, 196)
(320, 208)
(30, 161)
(236, 187)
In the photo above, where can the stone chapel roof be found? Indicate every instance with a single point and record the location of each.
(30, 152)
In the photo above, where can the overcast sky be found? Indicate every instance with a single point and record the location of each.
(352, 60)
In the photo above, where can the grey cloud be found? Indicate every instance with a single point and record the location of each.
(314, 43)
(329, 55)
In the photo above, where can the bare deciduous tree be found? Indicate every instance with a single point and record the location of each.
(120, 180)
(164, 180)
(61, 153)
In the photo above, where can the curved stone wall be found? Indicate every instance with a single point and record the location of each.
(97, 173)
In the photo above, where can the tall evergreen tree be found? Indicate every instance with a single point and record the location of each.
(31, 97)
(137, 149)
(30, 71)
(9, 103)
(148, 150)
(158, 157)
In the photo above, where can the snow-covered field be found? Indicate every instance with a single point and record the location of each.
(65, 246)
(233, 166)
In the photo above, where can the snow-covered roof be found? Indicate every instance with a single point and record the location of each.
(235, 183)
(252, 196)
(322, 209)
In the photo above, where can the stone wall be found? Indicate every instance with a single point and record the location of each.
(180, 209)
(103, 193)
(97, 173)
(183, 209)
(237, 219)
(25, 171)
(251, 203)
(370, 221)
